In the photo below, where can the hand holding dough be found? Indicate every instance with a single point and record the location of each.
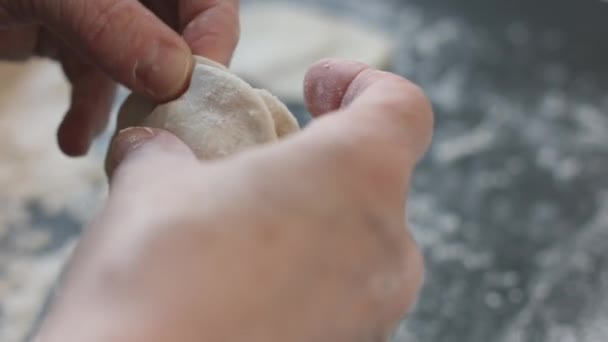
(219, 115)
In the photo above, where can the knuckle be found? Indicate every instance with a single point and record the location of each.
(424, 112)
(412, 104)
(18, 10)
(410, 117)
(95, 23)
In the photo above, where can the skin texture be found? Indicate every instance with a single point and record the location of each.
(304, 240)
(145, 45)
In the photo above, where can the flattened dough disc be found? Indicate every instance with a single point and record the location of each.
(219, 115)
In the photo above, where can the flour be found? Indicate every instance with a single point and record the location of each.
(33, 98)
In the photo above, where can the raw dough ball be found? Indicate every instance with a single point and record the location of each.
(219, 115)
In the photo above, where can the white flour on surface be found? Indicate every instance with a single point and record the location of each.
(35, 174)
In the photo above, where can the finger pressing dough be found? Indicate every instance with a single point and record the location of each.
(219, 115)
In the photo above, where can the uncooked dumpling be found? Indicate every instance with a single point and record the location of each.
(219, 115)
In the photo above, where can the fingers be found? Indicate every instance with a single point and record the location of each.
(165, 10)
(18, 43)
(377, 102)
(211, 27)
(327, 82)
(92, 98)
(122, 37)
(372, 129)
(137, 150)
(382, 123)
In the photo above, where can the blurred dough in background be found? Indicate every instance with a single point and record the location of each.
(45, 197)
(280, 41)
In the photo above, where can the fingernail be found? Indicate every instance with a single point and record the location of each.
(165, 72)
(125, 142)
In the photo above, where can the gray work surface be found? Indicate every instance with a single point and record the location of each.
(511, 204)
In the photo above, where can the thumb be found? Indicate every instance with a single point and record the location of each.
(378, 124)
(385, 105)
(122, 37)
(138, 150)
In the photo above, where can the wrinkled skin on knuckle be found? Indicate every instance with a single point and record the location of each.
(11, 10)
(96, 28)
(97, 23)
(424, 108)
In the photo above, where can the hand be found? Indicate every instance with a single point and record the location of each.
(304, 240)
(134, 43)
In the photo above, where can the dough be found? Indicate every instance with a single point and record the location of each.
(219, 115)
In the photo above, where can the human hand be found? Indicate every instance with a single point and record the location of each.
(133, 42)
(303, 240)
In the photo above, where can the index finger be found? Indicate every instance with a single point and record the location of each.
(121, 37)
(210, 27)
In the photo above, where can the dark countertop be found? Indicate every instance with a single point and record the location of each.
(511, 204)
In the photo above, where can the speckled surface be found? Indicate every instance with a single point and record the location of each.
(45, 197)
(511, 204)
